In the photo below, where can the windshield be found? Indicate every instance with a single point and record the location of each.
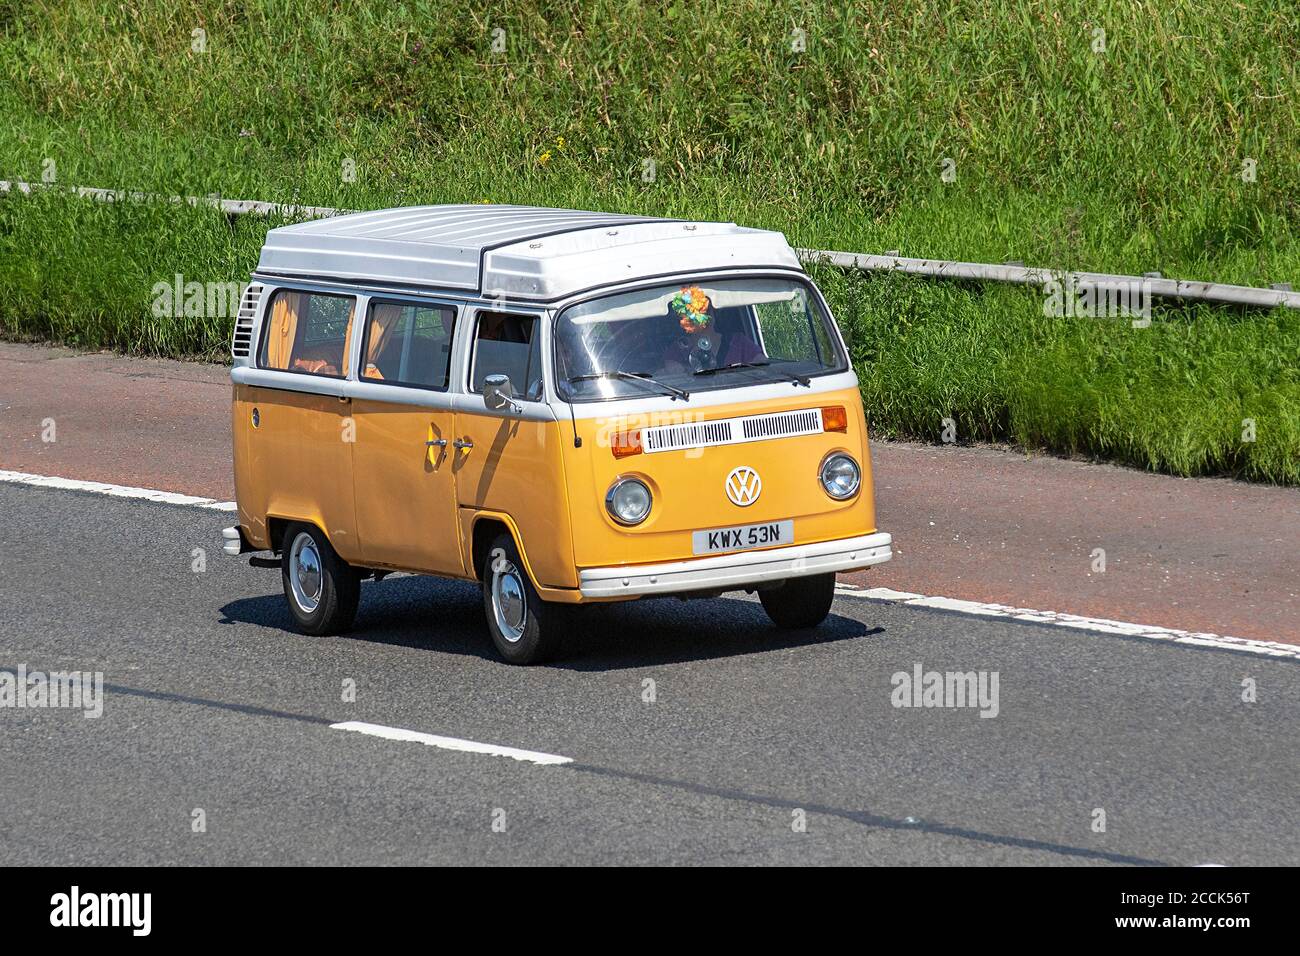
(692, 336)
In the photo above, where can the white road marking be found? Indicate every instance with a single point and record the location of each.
(1095, 624)
(450, 743)
(116, 491)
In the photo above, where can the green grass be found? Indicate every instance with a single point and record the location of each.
(1124, 161)
(1174, 397)
(82, 273)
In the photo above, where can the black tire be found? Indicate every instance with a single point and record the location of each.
(529, 630)
(800, 602)
(339, 589)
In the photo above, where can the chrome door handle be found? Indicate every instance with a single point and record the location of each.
(464, 443)
(439, 442)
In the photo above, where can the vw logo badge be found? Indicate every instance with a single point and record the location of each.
(744, 486)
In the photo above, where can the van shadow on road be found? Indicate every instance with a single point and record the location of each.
(447, 616)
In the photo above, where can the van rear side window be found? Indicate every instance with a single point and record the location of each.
(307, 332)
(408, 344)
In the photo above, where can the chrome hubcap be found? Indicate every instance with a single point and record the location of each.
(509, 605)
(305, 577)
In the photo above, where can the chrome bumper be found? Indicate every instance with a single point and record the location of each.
(742, 569)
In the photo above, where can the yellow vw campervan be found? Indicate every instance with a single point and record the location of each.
(566, 406)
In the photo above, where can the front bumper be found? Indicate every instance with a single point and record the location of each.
(742, 569)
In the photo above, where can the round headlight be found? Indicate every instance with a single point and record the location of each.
(628, 501)
(840, 476)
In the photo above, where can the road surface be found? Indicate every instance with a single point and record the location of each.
(971, 523)
(214, 711)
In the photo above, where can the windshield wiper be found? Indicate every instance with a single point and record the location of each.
(672, 390)
(795, 379)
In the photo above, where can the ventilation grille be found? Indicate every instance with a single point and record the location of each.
(786, 423)
(732, 431)
(243, 338)
(672, 437)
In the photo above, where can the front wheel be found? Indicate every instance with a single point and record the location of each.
(523, 626)
(321, 588)
(800, 602)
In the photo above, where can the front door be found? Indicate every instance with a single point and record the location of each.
(508, 461)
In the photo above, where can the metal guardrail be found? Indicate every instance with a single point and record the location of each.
(1152, 283)
(1017, 273)
(232, 207)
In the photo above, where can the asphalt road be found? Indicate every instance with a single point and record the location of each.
(211, 703)
(973, 523)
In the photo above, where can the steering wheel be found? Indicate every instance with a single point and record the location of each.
(619, 355)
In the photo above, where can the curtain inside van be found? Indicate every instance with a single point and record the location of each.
(281, 335)
(385, 317)
(347, 338)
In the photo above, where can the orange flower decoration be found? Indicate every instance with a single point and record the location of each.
(693, 306)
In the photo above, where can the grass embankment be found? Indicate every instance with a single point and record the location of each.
(1125, 160)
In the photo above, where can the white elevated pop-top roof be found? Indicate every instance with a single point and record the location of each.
(522, 251)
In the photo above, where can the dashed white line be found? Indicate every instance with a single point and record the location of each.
(1096, 625)
(451, 743)
(115, 491)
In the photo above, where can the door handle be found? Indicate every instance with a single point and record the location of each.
(438, 442)
(464, 443)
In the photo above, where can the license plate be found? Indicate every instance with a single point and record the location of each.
(742, 537)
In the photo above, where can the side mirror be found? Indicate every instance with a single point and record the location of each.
(498, 393)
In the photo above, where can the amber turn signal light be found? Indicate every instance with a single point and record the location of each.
(626, 443)
(835, 418)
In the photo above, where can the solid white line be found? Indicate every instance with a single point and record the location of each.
(450, 743)
(1095, 624)
(116, 491)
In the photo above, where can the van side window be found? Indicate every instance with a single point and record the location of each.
(307, 332)
(511, 345)
(408, 344)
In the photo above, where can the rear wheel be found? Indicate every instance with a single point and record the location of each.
(524, 628)
(800, 602)
(322, 589)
